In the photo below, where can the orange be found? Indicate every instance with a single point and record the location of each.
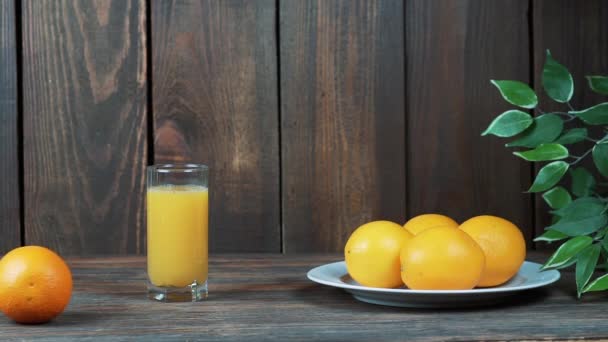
(423, 222)
(503, 244)
(372, 254)
(35, 284)
(441, 258)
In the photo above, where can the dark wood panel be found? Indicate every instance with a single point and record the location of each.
(342, 119)
(84, 95)
(10, 222)
(215, 102)
(576, 32)
(267, 297)
(454, 48)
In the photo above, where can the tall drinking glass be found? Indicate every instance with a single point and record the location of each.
(178, 230)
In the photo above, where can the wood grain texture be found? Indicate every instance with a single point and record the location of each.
(10, 222)
(342, 119)
(577, 35)
(454, 48)
(267, 297)
(84, 96)
(215, 102)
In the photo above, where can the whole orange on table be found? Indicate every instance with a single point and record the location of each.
(442, 258)
(35, 284)
(433, 252)
(423, 222)
(372, 254)
(503, 244)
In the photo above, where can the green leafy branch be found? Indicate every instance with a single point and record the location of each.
(580, 214)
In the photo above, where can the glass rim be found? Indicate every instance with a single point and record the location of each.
(177, 167)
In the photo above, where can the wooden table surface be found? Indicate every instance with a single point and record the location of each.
(267, 297)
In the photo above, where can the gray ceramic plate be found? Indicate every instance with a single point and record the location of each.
(528, 277)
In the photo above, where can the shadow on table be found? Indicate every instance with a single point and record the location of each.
(71, 318)
(521, 299)
(337, 300)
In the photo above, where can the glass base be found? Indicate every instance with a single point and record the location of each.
(194, 292)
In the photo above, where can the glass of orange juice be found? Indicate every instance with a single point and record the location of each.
(178, 231)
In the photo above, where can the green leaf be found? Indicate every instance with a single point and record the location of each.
(598, 84)
(572, 136)
(600, 158)
(548, 176)
(517, 93)
(605, 242)
(544, 152)
(580, 226)
(596, 115)
(557, 197)
(583, 216)
(545, 129)
(583, 182)
(601, 233)
(567, 251)
(582, 207)
(566, 265)
(585, 265)
(557, 80)
(509, 124)
(550, 236)
(599, 284)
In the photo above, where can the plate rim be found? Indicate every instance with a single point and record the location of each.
(554, 275)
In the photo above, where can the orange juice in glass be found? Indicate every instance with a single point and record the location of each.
(178, 231)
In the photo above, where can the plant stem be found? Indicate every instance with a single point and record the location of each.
(597, 141)
(579, 158)
(567, 115)
(570, 106)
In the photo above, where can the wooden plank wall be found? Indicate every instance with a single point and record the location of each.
(10, 220)
(342, 122)
(215, 102)
(454, 49)
(314, 115)
(85, 131)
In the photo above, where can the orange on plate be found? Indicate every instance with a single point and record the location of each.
(423, 222)
(441, 258)
(35, 284)
(372, 254)
(502, 243)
